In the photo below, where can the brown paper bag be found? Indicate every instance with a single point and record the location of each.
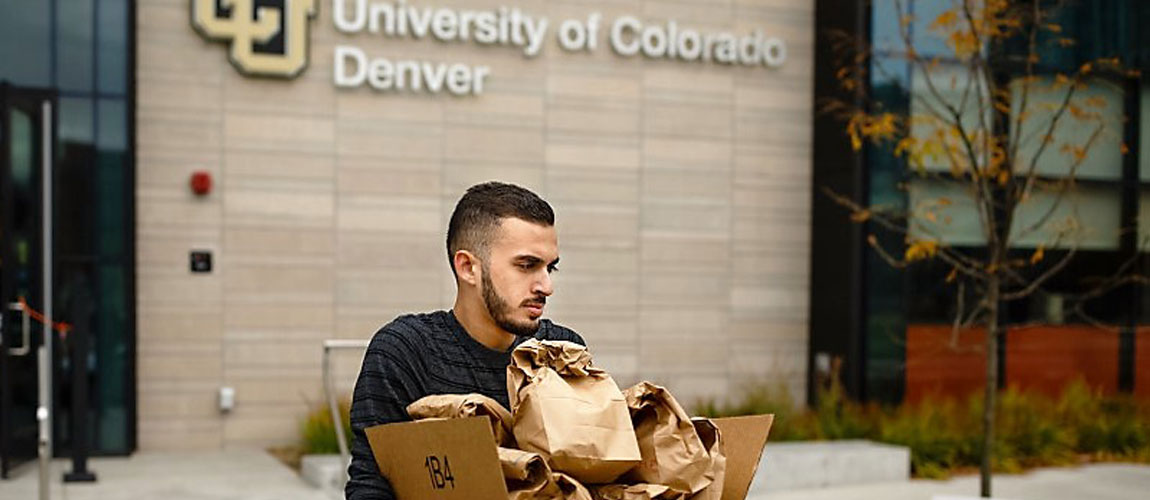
(570, 412)
(519, 465)
(529, 478)
(637, 492)
(569, 487)
(463, 406)
(712, 440)
(673, 454)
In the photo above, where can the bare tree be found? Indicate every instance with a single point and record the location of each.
(989, 137)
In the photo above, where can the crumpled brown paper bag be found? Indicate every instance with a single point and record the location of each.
(712, 440)
(463, 406)
(529, 478)
(637, 492)
(673, 454)
(570, 412)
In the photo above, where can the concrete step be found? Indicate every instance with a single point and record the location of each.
(823, 464)
(325, 472)
(785, 466)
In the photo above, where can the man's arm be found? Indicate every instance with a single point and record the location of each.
(385, 386)
(553, 331)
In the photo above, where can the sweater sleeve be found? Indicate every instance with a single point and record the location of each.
(387, 383)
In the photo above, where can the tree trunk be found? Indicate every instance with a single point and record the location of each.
(991, 390)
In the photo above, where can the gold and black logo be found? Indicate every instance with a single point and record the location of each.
(268, 37)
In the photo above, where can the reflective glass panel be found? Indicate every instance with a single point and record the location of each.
(112, 46)
(74, 27)
(25, 47)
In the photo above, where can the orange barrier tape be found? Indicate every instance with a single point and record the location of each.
(59, 326)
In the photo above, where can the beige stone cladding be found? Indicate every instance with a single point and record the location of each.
(682, 193)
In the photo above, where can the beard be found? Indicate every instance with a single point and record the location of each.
(501, 311)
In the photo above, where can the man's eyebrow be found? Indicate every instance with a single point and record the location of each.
(532, 259)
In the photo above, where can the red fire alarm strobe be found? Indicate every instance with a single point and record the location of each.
(201, 183)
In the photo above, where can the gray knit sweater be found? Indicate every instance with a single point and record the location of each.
(414, 356)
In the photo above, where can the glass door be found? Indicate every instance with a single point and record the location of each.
(26, 145)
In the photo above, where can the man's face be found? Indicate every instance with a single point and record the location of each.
(517, 274)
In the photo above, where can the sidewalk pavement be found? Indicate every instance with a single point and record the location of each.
(1088, 482)
(256, 475)
(228, 475)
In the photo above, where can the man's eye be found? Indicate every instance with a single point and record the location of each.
(525, 266)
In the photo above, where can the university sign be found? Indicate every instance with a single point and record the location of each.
(270, 38)
(267, 38)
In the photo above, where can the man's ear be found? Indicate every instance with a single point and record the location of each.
(467, 267)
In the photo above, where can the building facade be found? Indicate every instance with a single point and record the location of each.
(892, 328)
(672, 137)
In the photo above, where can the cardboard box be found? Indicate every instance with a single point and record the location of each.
(457, 458)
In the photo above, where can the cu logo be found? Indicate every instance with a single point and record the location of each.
(268, 37)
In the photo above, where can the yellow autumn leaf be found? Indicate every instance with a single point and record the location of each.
(1039, 253)
(921, 249)
(945, 20)
(861, 215)
(953, 274)
(904, 144)
(1096, 102)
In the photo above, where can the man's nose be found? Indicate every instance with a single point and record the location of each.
(543, 286)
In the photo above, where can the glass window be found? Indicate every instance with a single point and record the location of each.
(110, 401)
(944, 211)
(1103, 158)
(76, 157)
(1144, 221)
(885, 36)
(112, 134)
(945, 85)
(74, 24)
(1144, 132)
(76, 124)
(112, 46)
(25, 47)
(929, 42)
(1087, 217)
(1144, 173)
(111, 178)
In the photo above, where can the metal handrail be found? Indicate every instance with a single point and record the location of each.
(337, 422)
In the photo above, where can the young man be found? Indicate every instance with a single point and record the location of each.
(502, 247)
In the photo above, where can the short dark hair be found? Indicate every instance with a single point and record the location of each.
(478, 212)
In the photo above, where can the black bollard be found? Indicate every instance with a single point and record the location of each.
(80, 438)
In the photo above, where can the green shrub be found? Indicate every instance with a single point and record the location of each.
(939, 434)
(945, 435)
(318, 434)
(791, 423)
(839, 418)
(1029, 433)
